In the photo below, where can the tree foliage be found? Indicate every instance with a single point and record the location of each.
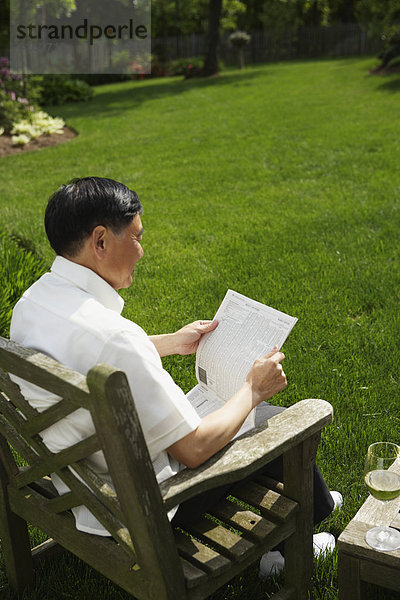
(192, 16)
(276, 14)
(381, 17)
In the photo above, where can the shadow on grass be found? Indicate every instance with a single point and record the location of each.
(392, 85)
(67, 577)
(133, 94)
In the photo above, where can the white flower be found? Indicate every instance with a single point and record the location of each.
(34, 132)
(20, 140)
(47, 124)
(40, 123)
(21, 127)
(1, 130)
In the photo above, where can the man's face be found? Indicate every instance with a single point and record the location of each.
(124, 251)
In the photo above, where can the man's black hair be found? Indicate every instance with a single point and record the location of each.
(75, 209)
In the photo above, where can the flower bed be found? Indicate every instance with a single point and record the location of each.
(7, 147)
(20, 117)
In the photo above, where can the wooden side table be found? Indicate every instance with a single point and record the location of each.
(359, 563)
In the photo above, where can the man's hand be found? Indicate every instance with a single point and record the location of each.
(188, 337)
(266, 377)
(183, 341)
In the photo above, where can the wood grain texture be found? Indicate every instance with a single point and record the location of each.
(256, 527)
(14, 538)
(227, 542)
(193, 576)
(268, 502)
(251, 451)
(101, 553)
(298, 480)
(18, 443)
(120, 432)
(54, 462)
(43, 371)
(201, 555)
(358, 562)
(12, 390)
(350, 585)
(47, 549)
(352, 542)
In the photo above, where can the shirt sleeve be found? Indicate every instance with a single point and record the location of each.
(165, 413)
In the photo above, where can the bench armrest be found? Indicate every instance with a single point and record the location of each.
(250, 452)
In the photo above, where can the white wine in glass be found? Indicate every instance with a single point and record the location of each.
(383, 482)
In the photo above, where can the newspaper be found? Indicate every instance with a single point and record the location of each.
(247, 330)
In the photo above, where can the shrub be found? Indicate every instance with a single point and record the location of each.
(17, 96)
(104, 78)
(10, 111)
(158, 66)
(183, 66)
(19, 268)
(58, 89)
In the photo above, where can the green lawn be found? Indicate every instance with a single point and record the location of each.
(281, 182)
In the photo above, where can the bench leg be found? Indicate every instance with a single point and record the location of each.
(15, 542)
(298, 469)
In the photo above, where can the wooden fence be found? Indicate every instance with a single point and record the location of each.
(272, 45)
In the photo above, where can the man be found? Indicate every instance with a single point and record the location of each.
(73, 314)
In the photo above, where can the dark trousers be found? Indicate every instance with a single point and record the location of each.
(323, 503)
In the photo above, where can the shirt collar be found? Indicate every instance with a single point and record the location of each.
(89, 281)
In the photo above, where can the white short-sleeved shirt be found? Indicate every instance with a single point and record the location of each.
(74, 316)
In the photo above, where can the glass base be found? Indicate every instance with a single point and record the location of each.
(383, 538)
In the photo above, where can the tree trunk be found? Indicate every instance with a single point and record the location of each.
(214, 16)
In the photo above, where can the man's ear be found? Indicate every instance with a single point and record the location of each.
(99, 241)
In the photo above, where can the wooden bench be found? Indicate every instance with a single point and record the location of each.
(144, 554)
(358, 563)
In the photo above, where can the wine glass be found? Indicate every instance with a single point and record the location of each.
(383, 482)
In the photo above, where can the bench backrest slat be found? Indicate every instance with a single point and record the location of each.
(50, 416)
(43, 371)
(55, 462)
(11, 389)
(18, 442)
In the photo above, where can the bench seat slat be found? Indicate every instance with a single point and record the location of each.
(201, 555)
(257, 528)
(193, 575)
(226, 541)
(270, 503)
